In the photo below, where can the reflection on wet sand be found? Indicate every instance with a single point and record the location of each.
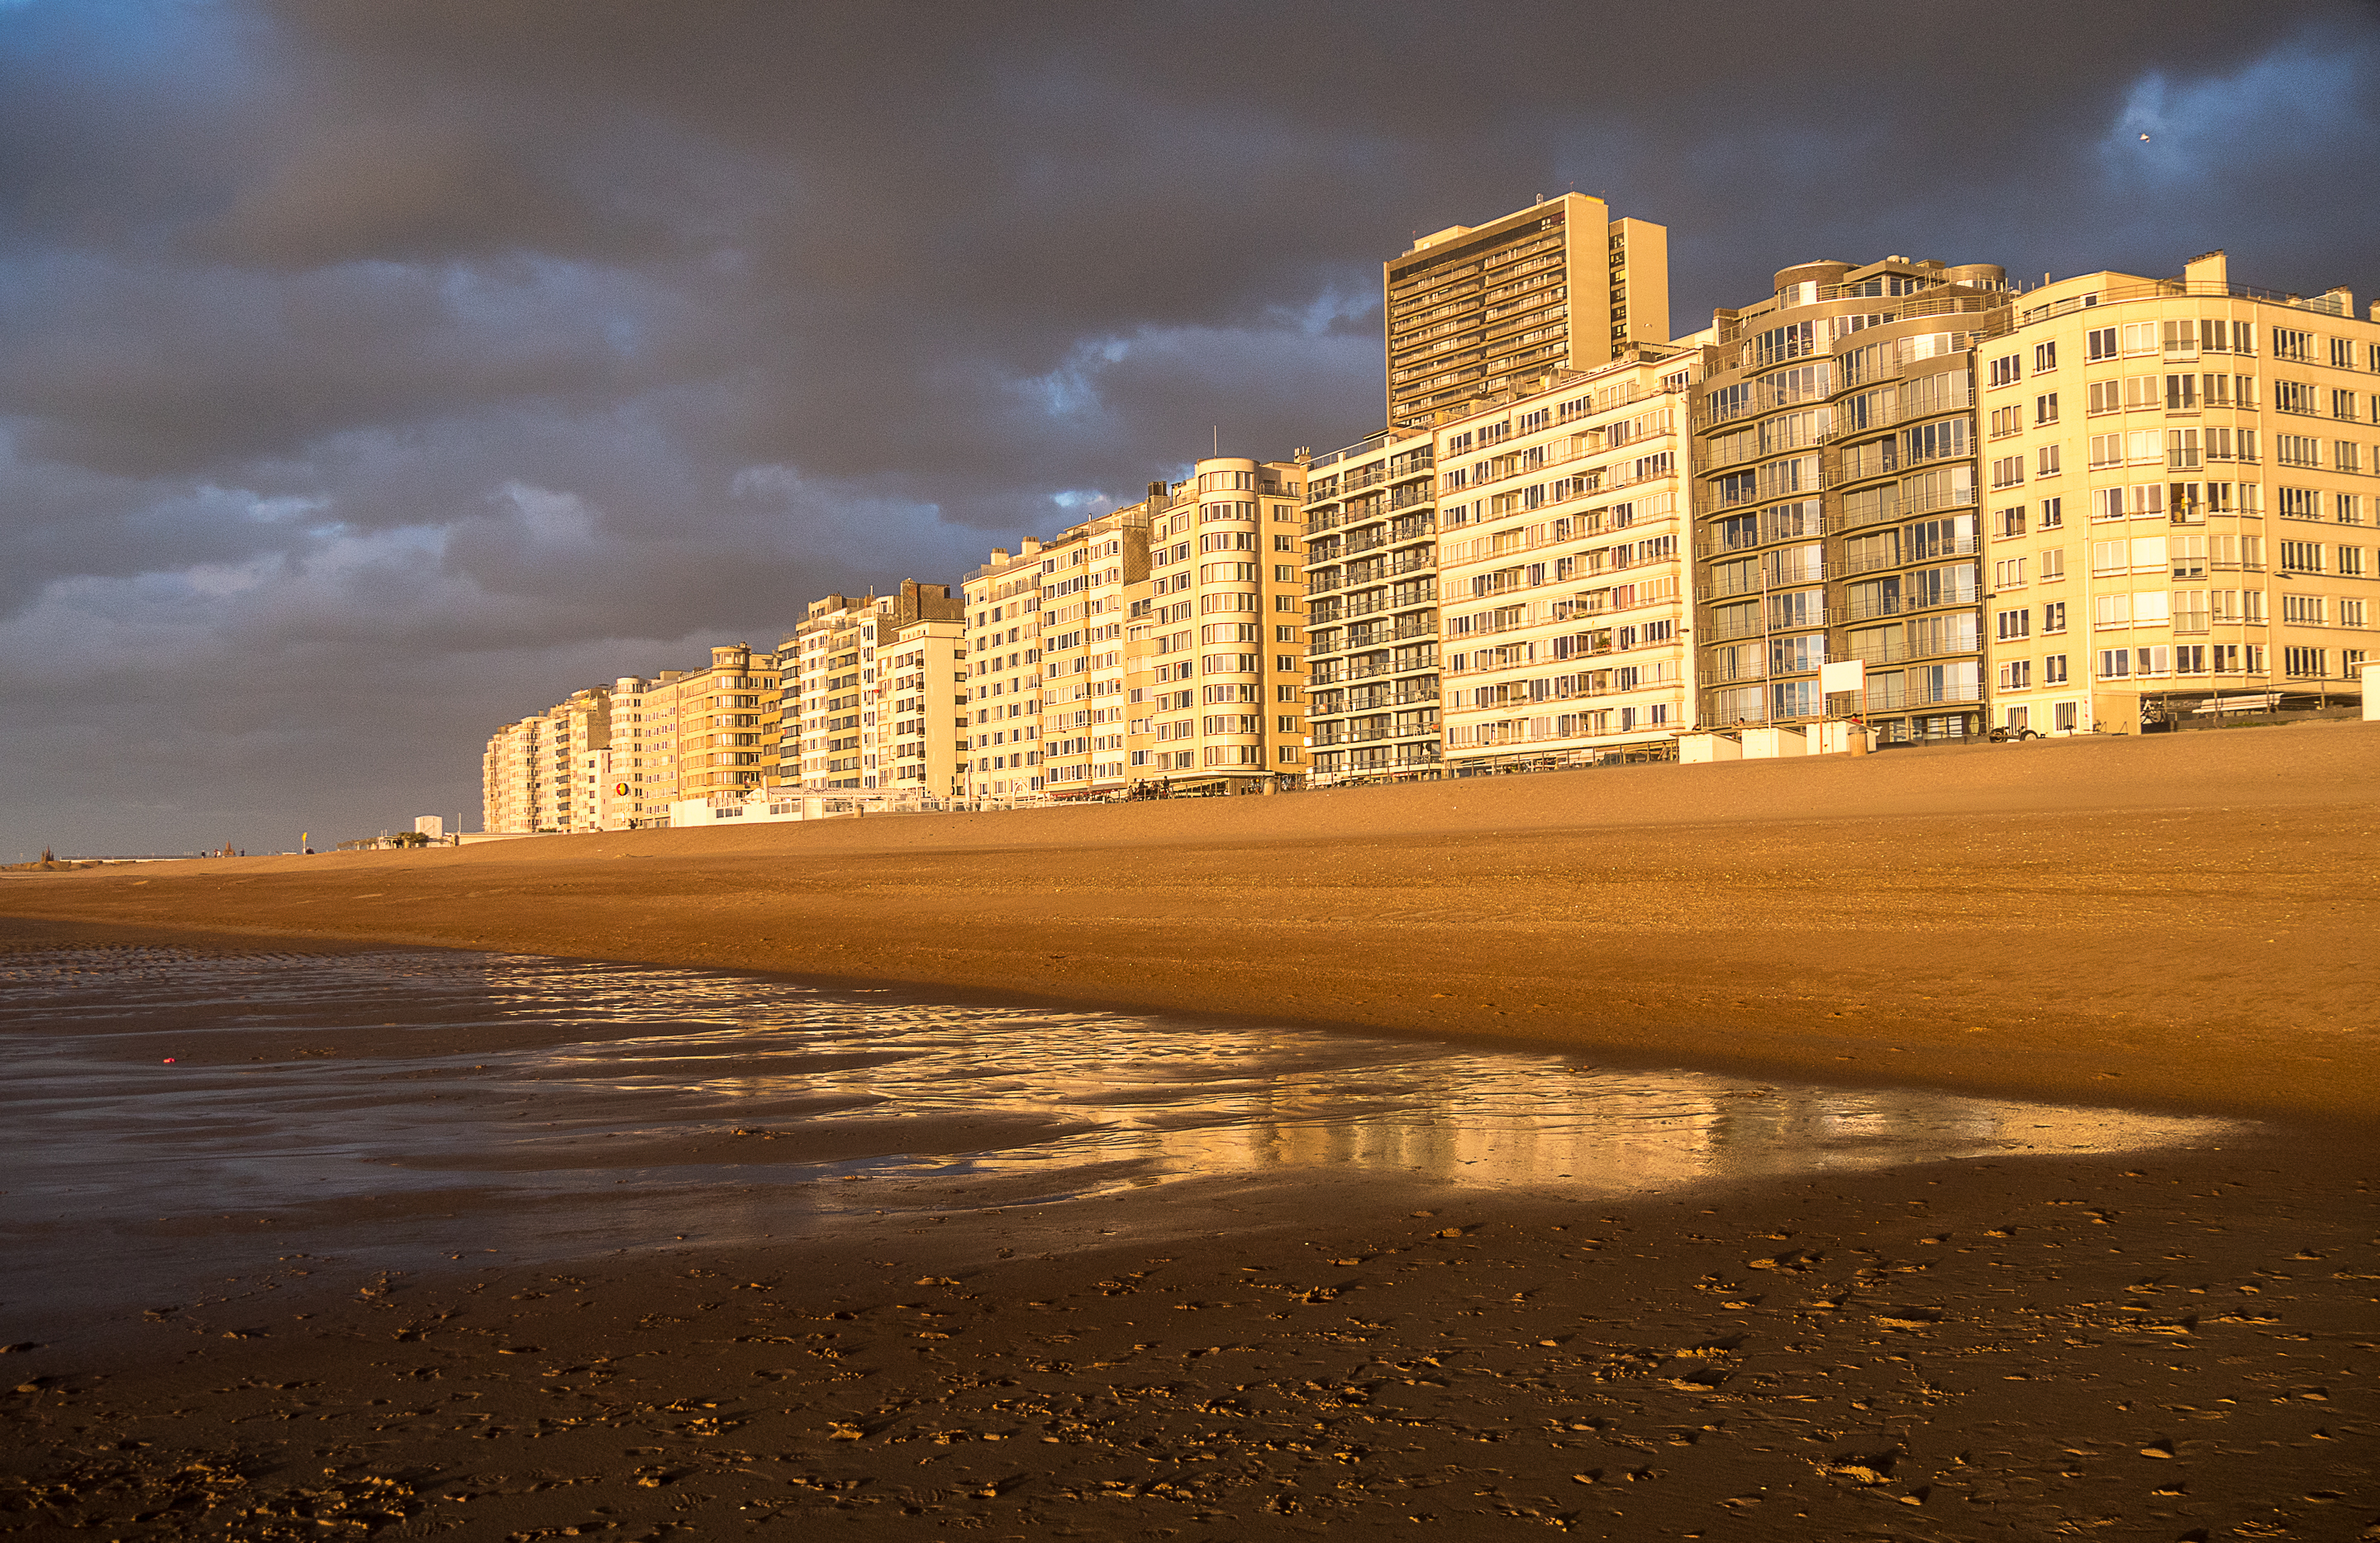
(406, 1102)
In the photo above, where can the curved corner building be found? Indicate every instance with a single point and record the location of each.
(1834, 500)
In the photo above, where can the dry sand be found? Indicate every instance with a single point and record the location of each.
(2180, 1346)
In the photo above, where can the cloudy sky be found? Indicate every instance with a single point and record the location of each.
(373, 373)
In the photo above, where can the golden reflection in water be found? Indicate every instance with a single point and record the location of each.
(1176, 1096)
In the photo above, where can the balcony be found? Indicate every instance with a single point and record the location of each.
(1333, 671)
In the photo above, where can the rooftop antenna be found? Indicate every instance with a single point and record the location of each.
(1215, 433)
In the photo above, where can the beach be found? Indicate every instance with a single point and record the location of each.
(2178, 920)
(2172, 1340)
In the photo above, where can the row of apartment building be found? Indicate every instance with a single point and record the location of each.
(1904, 494)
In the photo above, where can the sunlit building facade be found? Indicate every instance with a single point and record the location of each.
(1003, 698)
(1372, 608)
(1564, 568)
(1836, 498)
(924, 674)
(1477, 310)
(841, 727)
(1090, 575)
(2182, 480)
(1222, 706)
(542, 772)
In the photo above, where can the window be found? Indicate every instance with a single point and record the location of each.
(2009, 574)
(2181, 449)
(2346, 456)
(2103, 397)
(1283, 543)
(2053, 513)
(2299, 504)
(2302, 557)
(2305, 664)
(2044, 409)
(2053, 618)
(2298, 396)
(2303, 610)
(2007, 370)
(2009, 522)
(2098, 344)
(2053, 672)
(2008, 471)
(2141, 337)
(2007, 421)
(2053, 565)
(2014, 625)
(2016, 675)
(2115, 663)
(2180, 338)
(2351, 560)
(2044, 357)
(2289, 344)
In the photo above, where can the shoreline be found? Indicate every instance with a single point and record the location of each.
(2180, 922)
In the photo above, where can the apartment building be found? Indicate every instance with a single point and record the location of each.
(2183, 476)
(1222, 706)
(1090, 575)
(1564, 556)
(511, 776)
(711, 732)
(840, 727)
(1372, 608)
(542, 774)
(1003, 744)
(1474, 311)
(626, 795)
(1836, 500)
(923, 673)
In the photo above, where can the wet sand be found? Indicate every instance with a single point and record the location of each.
(2171, 1345)
(2179, 1347)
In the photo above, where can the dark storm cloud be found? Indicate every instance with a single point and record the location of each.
(371, 374)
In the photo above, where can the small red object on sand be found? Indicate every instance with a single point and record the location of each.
(169, 1061)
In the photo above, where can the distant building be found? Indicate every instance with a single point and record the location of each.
(2181, 499)
(923, 673)
(844, 727)
(1091, 574)
(1476, 311)
(1004, 638)
(539, 774)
